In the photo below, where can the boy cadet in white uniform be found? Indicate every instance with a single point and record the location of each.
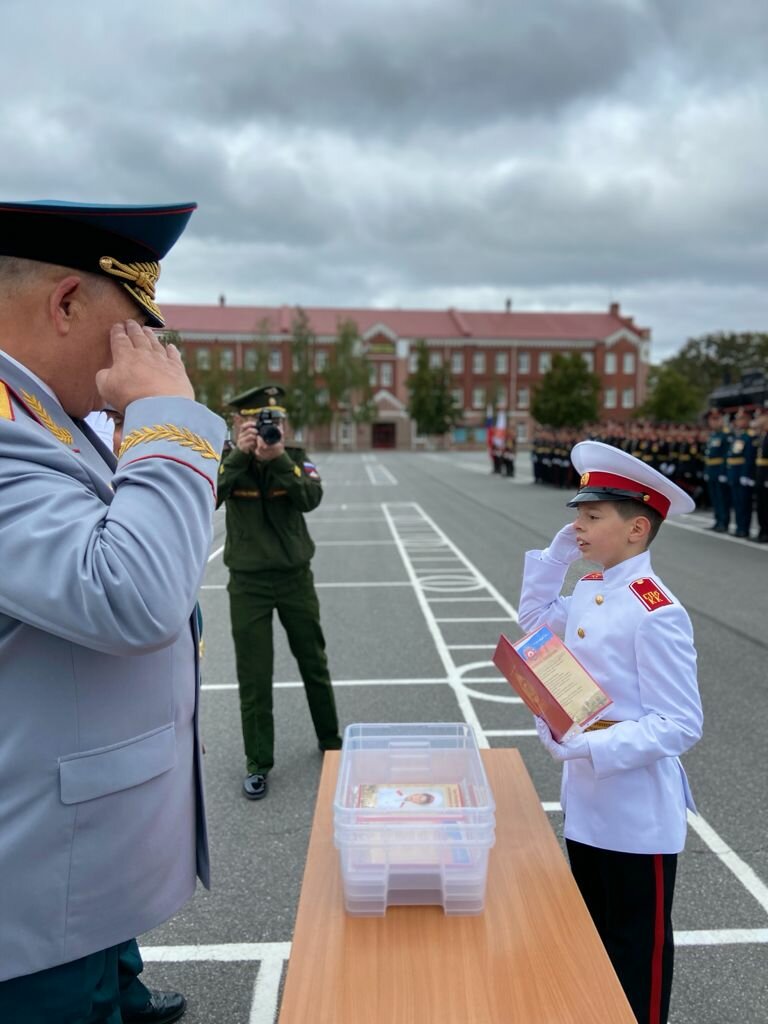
(624, 790)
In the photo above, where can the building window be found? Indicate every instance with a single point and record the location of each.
(545, 362)
(323, 396)
(295, 362)
(628, 398)
(610, 362)
(589, 360)
(321, 361)
(457, 362)
(386, 375)
(202, 396)
(523, 398)
(227, 395)
(523, 362)
(435, 359)
(373, 375)
(502, 362)
(203, 359)
(275, 360)
(610, 398)
(522, 432)
(478, 398)
(251, 359)
(457, 394)
(227, 359)
(413, 362)
(628, 362)
(501, 398)
(478, 362)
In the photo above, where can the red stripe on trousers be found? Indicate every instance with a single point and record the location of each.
(654, 1016)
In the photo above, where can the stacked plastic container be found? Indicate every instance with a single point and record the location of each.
(414, 817)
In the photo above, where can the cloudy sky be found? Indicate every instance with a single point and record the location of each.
(415, 153)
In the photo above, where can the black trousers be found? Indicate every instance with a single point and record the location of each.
(91, 990)
(629, 896)
(253, 597)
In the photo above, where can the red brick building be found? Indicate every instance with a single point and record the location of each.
(494, 358)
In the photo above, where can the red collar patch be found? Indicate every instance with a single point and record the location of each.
(650, 593)
(592, 576)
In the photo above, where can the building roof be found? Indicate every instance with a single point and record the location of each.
(451, 324)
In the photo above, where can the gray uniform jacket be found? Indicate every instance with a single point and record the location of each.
(102, 826)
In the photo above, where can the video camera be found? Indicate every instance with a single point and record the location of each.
(267, 426)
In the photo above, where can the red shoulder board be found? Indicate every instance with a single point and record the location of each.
(592, 576)
(650, 593)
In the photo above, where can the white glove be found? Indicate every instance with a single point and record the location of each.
(563, 550)
(746, 482)
(578, 746)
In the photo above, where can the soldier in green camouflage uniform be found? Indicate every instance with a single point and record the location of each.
(268, 487)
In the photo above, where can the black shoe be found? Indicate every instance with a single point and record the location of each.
(162, 1008)
(740, 533)
(255, 786)
(332, 744)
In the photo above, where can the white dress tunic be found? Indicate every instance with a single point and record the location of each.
(635, 639)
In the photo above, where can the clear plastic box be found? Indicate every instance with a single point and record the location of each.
(414, 817)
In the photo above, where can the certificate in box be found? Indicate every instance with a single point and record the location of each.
(551, 681)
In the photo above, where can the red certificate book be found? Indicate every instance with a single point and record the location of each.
(553, 684)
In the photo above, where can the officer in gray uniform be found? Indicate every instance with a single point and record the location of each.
(268, 486)
(103, 821)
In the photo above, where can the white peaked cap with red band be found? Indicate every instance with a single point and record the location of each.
(609, 474)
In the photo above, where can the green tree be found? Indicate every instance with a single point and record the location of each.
(719, 358)
(567, 395)
(431, 403)
(306, 408)
(211, 383)
(348, 379)
(672, 397)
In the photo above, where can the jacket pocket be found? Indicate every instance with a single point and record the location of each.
(94, 773)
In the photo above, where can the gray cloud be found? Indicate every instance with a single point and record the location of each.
(415, 152)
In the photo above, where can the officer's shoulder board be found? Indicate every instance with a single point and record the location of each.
(649, 593)
(6, 409)
(591, 576)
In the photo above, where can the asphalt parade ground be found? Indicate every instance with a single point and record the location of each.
(418, 567)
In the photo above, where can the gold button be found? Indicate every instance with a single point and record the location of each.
(599, 599)
(581, 632)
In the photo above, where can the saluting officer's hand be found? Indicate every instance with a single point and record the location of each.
(141, 368)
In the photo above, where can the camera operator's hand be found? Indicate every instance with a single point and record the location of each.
(267, 452)
(247, 436)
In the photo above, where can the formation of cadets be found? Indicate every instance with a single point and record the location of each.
(722, 464)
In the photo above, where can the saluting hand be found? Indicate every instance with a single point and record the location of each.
(141, 368)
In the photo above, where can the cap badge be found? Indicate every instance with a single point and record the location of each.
(584, 480)
(138, 278)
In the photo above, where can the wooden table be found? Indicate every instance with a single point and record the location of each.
(532, 957)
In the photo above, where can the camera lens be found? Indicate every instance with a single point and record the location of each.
(269, 433)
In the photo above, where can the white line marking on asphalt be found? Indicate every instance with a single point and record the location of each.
(510, 732)
(266, 992)
(222, 952)
(295, 683)
(732, 861)
(351, 543)
(345, 586)
(505, 618)
(722, 937)
(215, 553)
